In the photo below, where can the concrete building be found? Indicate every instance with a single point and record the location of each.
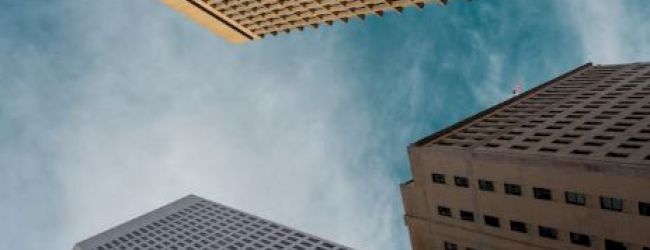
(565, 165)
(194, 223)
(240, 21)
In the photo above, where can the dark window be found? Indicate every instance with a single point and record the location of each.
(611, 203)
(518, 226)
(614, 245)
(646, 248)
(547, 232)
(575, 198)
(444, 211)
(450, 246)
(486, 185)
(542, 193)
(513, 189)
(580, 239)
(468, 216)
(438, 178)
(491, 221)
(644, 208)
(461, 181)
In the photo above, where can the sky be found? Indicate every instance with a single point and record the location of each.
(112, 108)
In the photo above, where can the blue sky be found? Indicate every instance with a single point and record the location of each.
(111, 108)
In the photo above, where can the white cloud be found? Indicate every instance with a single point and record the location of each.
(160, 108)
(610, 31)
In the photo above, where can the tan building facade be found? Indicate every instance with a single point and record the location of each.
(239, 21)
(563, 166)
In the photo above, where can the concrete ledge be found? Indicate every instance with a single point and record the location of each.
(206, 16)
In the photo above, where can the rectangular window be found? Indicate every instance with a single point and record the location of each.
(580, 239)
(444, 211)
(575, 198)
(438, 178)
(461, 181)
(547, 232)
(542, 193)
(614, 245)
(486, 185)
(512, 189)
(492, 221)
(450, 246)
(468, 216)
(644, 208)
(518, 226)
(609, 203)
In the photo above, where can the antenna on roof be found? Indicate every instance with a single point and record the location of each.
(518, 89)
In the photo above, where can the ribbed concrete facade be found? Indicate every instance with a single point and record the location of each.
(194, 223)
(563, 166)
(240, 21)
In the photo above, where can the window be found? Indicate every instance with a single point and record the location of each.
(575, 198)
(468, 216)
(450, 246)
(547, 232)
(614, 245)
(644, 208)
(542, 193)
(518, 226)
(461, 181)
(513, 189)
(486, 185)
(580, 239)
(611, 203)
(438, 178)
(491, 221)
(444, 211)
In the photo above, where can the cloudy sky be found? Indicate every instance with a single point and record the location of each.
(111, 108)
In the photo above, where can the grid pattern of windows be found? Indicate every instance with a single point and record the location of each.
(598, 112)
(264, 17)
(543, 231)
(570, 197)
(196, 223)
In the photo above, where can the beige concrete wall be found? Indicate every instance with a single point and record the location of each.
(558, 174)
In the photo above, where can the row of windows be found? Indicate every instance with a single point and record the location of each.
(573, 198)
(522, 227)
(609, 245)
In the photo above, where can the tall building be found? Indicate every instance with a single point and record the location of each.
(565, 165)
(240, 21)
(194, 223)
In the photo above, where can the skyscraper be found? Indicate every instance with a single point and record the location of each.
(565, 165)
(240, 21)
(194, 223)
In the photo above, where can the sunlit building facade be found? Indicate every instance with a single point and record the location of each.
(240, 21)
(565, 165)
